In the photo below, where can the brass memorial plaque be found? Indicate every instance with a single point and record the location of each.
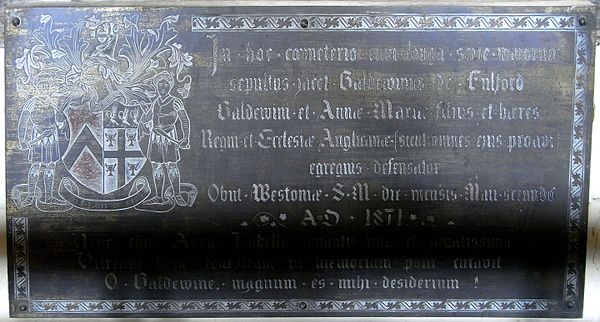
(298, 161)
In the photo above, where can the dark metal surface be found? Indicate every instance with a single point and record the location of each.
(298, 161)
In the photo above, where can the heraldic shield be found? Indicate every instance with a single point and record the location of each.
(105, 154)
(93, 95)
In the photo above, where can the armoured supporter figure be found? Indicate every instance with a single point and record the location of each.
(168, 125)
(39, 126)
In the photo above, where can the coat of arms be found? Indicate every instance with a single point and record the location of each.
(104, 98)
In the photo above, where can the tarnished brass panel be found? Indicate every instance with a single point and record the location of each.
(292, 161)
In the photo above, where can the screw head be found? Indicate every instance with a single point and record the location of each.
(571, 304)
(582, 21)
(22, 307)
(304, 23)
(15, 21)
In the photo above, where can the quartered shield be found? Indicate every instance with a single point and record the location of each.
(104, 154)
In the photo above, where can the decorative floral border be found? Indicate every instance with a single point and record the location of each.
(378, 22)
(297, 305)
(391, 22)
(577, 168)
(20, 230)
